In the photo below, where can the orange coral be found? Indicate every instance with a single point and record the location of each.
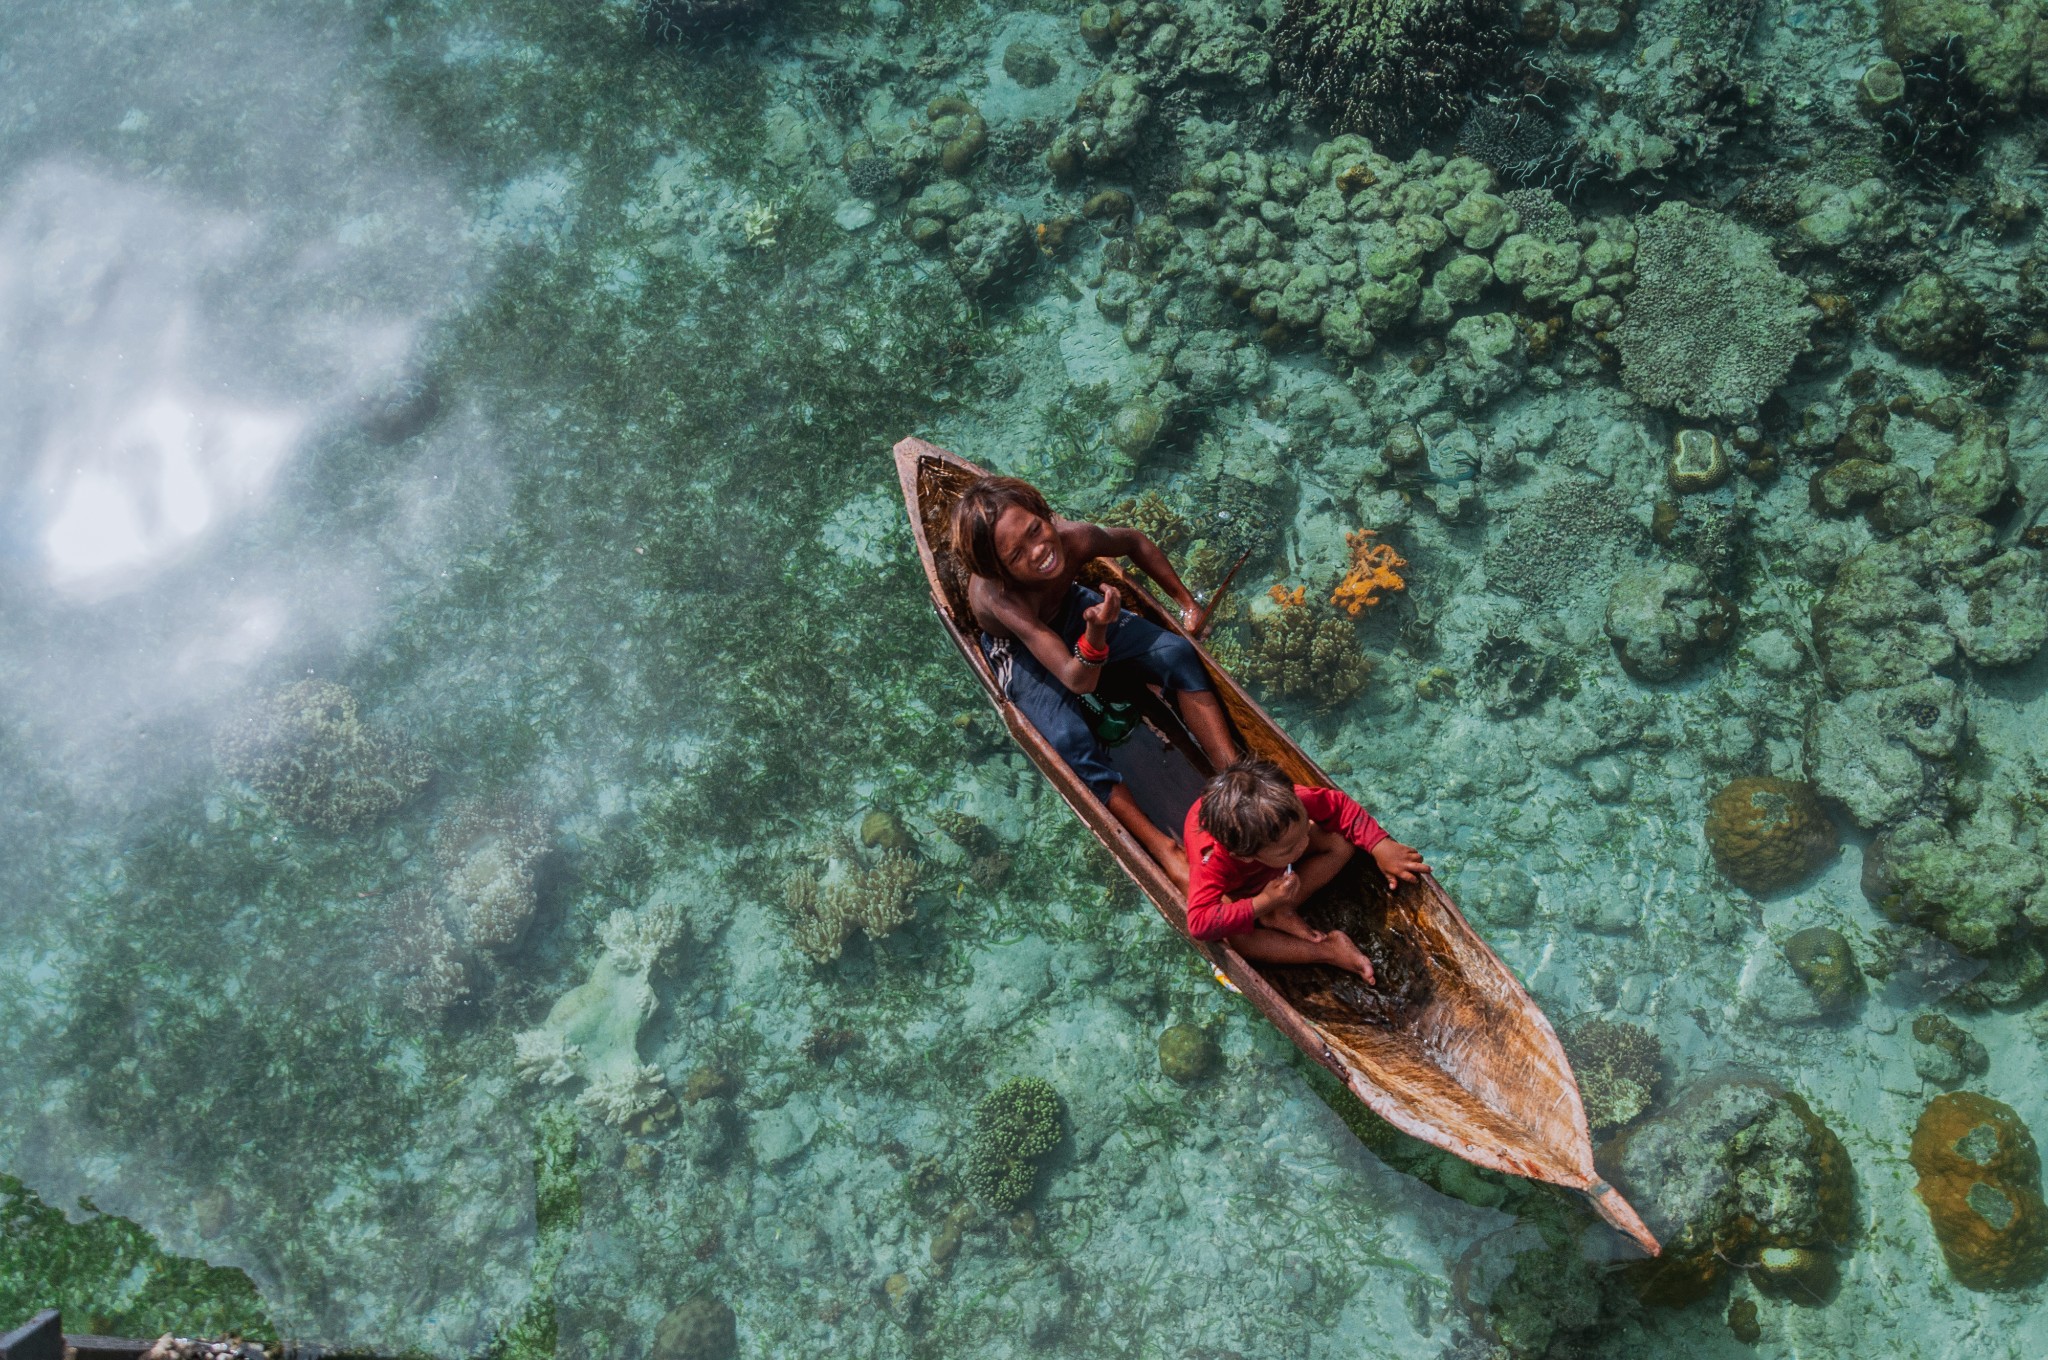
(1289, 599)
(1372, 570)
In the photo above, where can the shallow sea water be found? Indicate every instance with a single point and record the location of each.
(459, 631)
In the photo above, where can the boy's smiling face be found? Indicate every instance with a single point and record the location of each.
(1028, 546)
(1289, 848)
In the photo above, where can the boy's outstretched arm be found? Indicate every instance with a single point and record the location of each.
(1151, 559)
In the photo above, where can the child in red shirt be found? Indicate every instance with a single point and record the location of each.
(1259, 845)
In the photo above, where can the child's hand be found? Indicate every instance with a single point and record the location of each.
(1282, 892)
(1398, 862)
(1104, 614)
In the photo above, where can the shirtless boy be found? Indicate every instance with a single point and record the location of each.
(1049, 637)
(1259, 845)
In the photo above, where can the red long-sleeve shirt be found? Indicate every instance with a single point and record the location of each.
(1221, 886)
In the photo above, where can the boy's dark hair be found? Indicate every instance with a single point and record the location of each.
(1249, 805)
(975, 515)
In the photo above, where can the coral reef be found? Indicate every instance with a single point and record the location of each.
(1187, 1054)
(1735, 1168)
(1298, 652)
(1663, 619)
(874, 896)
(1713, 325)
(1767, 834)
(1014, 1125)
(1372, 570)
(1618, 1066)
(1393, 69)
(1980, 1178)
(488, 852)
(1821, 956)
(304, 750)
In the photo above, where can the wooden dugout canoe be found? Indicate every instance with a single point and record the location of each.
(1474, 1067)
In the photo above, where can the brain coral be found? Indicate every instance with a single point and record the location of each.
(1393, 69)
(315, 762)
(1712, 325)
(1768, 833)
(1980, 1179)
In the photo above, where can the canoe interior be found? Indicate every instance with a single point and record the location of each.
(1450, 1048)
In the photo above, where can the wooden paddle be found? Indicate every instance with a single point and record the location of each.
(1207, 612)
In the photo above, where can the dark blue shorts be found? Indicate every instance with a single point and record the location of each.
(1136, 645)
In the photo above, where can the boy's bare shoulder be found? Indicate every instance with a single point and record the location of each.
(994, 605)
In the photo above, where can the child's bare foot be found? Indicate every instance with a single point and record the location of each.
(1349, 956)
(1289, 919)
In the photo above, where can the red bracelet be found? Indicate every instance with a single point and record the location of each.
(1090, 656)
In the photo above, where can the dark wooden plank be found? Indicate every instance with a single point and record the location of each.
(40, 1338)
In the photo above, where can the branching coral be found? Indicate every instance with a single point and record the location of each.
(876, 897)
(544, 1056)
(1393, 69)
(639, 941)
(1299, 652)
(315, 762)
(427, 960)
(1372, 570)
(1712, 325)
(631, 1098)
(1014, 1125)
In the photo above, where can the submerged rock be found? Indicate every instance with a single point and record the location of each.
(701, 1329)
(1980, 1178)
(1662, 619)
(1976, 894)
(1947, 1052)
(1883, 753)
(1738, 1167)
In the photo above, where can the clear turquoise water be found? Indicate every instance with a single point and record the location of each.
(535, 383)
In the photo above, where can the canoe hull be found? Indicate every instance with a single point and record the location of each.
(1476, 1070)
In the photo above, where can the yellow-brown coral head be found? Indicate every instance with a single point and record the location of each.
(1372, 571)
(1767, 833)
(1980, 1179)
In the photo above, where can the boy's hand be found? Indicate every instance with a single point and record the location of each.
(1282, 892)
(1104, 614)
(1398, 862)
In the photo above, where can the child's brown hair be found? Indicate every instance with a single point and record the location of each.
(975, 515)
(1249, 805)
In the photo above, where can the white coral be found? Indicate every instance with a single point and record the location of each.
(638, 940)
(621, 1095)
(543, 1055)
